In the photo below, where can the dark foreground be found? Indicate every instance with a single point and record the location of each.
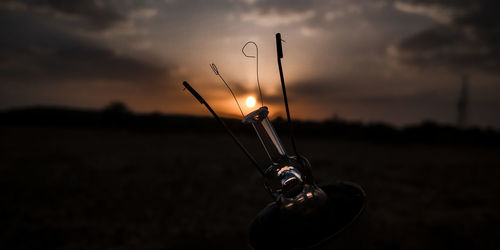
(109, 189)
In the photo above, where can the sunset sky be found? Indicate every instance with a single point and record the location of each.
(399, 62)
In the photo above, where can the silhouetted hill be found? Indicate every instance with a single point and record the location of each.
(117, 116)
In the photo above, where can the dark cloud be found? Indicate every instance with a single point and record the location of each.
(36, 53)
(470, 40)
(318, 13)
(96, 14)
(82, 62)
(285, 5)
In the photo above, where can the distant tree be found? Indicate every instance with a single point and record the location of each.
(117, 107)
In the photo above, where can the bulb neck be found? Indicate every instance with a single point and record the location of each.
(265, 130)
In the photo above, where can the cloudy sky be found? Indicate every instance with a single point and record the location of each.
(372, 60)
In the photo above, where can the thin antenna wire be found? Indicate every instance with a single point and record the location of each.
(257, 66)
(280, 55)
(216, 71)
(202, 101)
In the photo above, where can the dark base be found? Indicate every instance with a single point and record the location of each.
(273, 230)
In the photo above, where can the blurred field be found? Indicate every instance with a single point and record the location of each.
(115, 189)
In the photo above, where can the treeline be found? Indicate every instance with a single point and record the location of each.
(117, 116)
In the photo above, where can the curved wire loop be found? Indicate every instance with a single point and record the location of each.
(257, 65)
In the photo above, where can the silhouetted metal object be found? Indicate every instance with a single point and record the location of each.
(202, 101)
(289, 178)
(279, 50)
(302, 214)
(462, 103)
(274, 229)
(217, 73)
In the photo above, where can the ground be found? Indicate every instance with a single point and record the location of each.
(117, 189)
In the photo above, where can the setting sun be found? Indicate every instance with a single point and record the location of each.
(250, 101)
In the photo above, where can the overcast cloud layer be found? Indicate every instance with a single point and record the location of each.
(394, 61)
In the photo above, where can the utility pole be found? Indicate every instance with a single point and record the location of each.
(462, 103)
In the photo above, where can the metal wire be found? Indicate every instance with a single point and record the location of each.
(285, 98)
(257, 65)
(216, 71)
(202, 101)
